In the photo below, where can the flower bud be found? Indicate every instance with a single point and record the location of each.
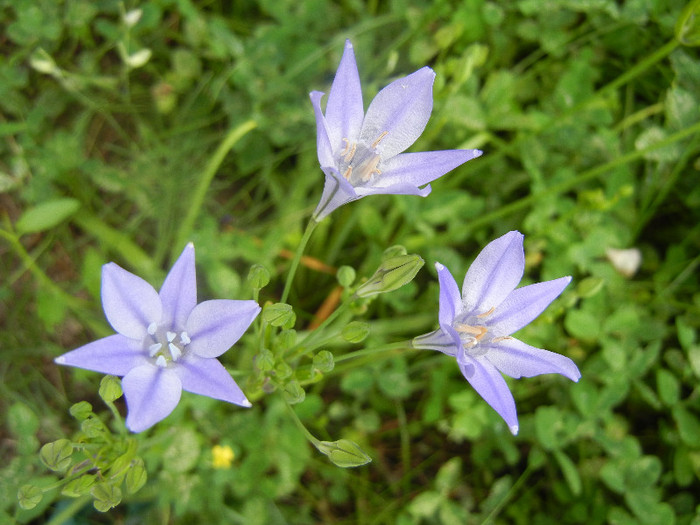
(343, 453)
(392, 274)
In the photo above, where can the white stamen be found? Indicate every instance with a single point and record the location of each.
(185, 339)
(152, 328)
(486, 314)
(161, 362)
(376, 142)
(153, 349)
(170, 336)
(175, 352)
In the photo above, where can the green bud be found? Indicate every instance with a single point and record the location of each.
(106, 496)
(343, 453)
(279, 314)
(56, 455)
(355, 332)
(393, 273)
(136, 476)
(394, 251)
(688, 24)
(110, 389)
(265, 360)
(81, 410)
(323, 361)
(286, 339)
(345, 275)
(293, 392)
(283, 370)
(92, 427)
(29, 496)
(79, 486)
(258, 276)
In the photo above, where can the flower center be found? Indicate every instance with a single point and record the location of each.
(358, 162)
(472, 329)
(164, 346)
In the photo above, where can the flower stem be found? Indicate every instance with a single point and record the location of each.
(297, 257)
(316, 442)
(406, 345)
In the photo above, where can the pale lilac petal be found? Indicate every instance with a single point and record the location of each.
(523, 305)
(129, 302)
(344, 111)
(517, 359)
(424, 167)
(114, 355)
(323, 141)
(402, 109)
(438, 340)
(450, 301)
(214, 326)
(494, 274)
(151, 393)
(489, 384)
(395, 189)
(336, 192)
(179, 291)
(208, 377)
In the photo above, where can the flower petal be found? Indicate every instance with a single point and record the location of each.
(424, 167)
(214, 326)
(323, 140)
(114, 355)
(336, 192)
(179, 291)
(489, 384)
(523, 305)
(208, 377)
(438, 340)
(450, 301)
(402, 109)
(517, 359)
(394, 189)
(344, 111)
(494, 274)
(151, 393)
(129, 302)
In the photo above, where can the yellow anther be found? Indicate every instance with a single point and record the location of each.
(347, 147)
(501, 338)
(350, 154)
(486, 314)
(376, 142)
(477, 331)
(348, 173)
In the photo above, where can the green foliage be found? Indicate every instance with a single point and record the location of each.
(126, 133)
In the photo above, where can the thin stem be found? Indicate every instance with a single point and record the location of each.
(199, 193)
(297, 257)
(376, 350)
(70, 510)
(306, 345)
(316, 442)
(117, 417)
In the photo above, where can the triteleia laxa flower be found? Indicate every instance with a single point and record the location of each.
(165, 341)
(361, 154)
(476, 327)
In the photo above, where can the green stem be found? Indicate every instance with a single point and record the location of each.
(312, 340)
(117, 417)
(316, 442)
(406, 345)
(297, 257)
(70, 510)
(197, 197)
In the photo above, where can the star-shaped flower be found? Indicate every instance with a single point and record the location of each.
(361, 154)
(476, 328)
(165, 342)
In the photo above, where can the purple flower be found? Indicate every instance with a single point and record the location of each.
(361, 154)
(475, 328)
(165, 342)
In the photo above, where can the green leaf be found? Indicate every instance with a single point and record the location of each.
(22, 421)
(279, 314)
(47, 215)
(57, 455)
(183, 453)
(323, 361)
(79, 486)
(106, 496)
(81, 410)
(546, 423)
(110, 388)
(29, 496)
(265, 360)
(688, 426)
(686, 333)
(589, 287)
(136, 477)
(355, 331)
(343, 453)
(293, 392)
(667, 386)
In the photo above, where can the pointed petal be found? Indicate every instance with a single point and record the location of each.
(523, 305)
(179, 291)
(450, 301)
(336, 192)
(129, 302)
(424, 167)
(214, 326)
(489, 384)
(402, 109)
(494, 274)
(394, 189)
(438, 340)
(208, 377)
(517, 359)
(323, 140)
(151, 393)
(344, 111)
(114, 355)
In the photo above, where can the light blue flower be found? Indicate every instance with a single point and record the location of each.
(165, 342)
(361, 154)
(476, 327)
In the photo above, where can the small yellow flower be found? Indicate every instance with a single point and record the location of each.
(222, 456)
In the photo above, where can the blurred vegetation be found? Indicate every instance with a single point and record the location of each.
(122, 139)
